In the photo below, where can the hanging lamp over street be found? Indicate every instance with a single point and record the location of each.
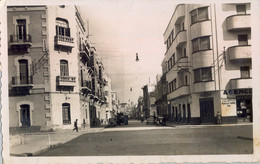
(137, 59)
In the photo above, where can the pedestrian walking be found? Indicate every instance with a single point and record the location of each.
(84, 123)
(76, 125)
(218, 118)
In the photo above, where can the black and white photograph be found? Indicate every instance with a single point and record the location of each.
(129, 81)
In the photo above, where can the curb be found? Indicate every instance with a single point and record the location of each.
(245, 138)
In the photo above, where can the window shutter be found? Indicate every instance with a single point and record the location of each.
(57, 30)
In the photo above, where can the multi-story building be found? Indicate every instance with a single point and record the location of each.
(161, 89)
(53, 79)
(208, 61)
(149, 99)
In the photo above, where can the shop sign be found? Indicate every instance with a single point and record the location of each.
(238, 91)
(228, 106)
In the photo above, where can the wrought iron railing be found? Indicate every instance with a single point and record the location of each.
(20, 38)
(22, 80)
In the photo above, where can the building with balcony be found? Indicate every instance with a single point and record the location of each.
(54, 76)
(207, 63)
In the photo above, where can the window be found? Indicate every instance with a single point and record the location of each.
(21, 29)
(200, 44)
(241, 9)
(186, 80)
(66, 113)
(199, 14)
(242, 40)
(245, 73)
(184, 52)
(182, 26)
(174, 87)
(173, 60)
(23, 70)
(64, 68)
(172, 35)
(202, 74)
(62, 27)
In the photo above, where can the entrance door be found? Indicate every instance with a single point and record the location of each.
(184, 113)
(25, 115)
(189, 114)
(207, 110)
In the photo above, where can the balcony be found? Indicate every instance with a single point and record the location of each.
(69, 81)
(86, 87)
(240, 83)
(22, 84)
(84, 53)
(204, 86)
(181, 91)
(20, 43)
(182, 63)
(238, 22)
(65, 41)
(239, 52)
(180, 38)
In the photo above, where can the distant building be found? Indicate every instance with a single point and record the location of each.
(149, 99)
(208, 63)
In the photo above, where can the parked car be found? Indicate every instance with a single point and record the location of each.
(112, 122)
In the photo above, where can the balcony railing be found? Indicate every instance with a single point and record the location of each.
(84, 53)
(66, 81)
(20, 39)
(238, 22)
(239, 52)
(22, 81)
(61, 40)
(181, 91)
(240, 83)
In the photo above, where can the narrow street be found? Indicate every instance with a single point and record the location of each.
(140, 139)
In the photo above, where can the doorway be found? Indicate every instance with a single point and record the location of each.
(25, 115)
(206, 110)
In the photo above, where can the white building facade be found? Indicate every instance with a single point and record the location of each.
(208, 61)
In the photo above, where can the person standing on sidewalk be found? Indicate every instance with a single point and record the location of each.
(76, 125)
(218, 118)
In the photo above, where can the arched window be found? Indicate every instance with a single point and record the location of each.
(64, 68)
(62, 27)
(66, 113)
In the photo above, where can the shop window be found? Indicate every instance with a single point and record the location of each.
(200, 44)
(202, 74)
(199, 14)
(62, 27)
(64, 68)
(242, 40)
(241, 9)
(66, 113)
(245, 72)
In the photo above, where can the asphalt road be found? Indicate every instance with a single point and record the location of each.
(132, 140)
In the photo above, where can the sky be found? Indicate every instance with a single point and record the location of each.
(119, 30)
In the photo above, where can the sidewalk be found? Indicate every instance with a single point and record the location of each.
(36, 143)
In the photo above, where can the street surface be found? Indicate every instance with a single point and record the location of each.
(140, 139)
